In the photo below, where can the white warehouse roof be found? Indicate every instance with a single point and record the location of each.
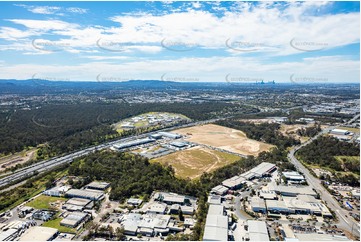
(257, 230)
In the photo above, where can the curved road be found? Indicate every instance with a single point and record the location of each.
(345, 223)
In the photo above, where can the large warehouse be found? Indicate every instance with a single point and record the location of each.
(257, 230)
(132, 143)
(216, 227)
(39, 233)
(86, 194)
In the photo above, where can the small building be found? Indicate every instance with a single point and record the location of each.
(39, 233)
(134, 202)
(43, 215)
(72, 220)
(23, 211)
(214, 199)
(86, 194)
(187, 210)
(188, 222)
(257, 230)
(268, 195)
(258, 205)
(157, 208)
(219, 190)
(97, 185)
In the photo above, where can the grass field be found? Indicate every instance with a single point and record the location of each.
(194, 161)
(43, 202)
(348, 158)
(224, 138)
(55, 223)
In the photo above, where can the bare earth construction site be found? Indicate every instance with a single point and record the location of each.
(224, 138)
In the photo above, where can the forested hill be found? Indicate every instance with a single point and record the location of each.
(323, 150)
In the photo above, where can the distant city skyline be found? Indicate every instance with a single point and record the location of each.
(288, 42)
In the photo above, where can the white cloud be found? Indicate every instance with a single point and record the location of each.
(77, 10)
(52, 10)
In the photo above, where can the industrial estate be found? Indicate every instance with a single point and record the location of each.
(180, 121)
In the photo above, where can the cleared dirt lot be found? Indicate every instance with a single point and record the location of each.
(18, 158)
(224, 138)
(194, 161)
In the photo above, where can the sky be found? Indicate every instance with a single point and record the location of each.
(213, 41)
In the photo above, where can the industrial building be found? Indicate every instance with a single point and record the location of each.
(234, 183)
(214, 199)
(257, 230)
(262, 170)
(339, 132)
(157, 208)
(173, 198)
(132, 143)
(277, 206)
(86, 194)
(268, 195)
(56, 191)
(219, 190)
(292, 191)
(43, 215)
(216, 227)
(298, 205)
(134, 201)
(293, 177)
(74, 219)
(147, 225)
(78, 204)
(258, 205)
(170, 135)
(98, 185)
(179, 144)
(39, 233)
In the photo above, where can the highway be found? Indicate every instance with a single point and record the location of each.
(346, 223)
(47, 165)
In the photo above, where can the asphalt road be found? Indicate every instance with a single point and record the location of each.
(47, 165)
(345, 222)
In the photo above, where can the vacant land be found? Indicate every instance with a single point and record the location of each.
(194, 161)
(224, 138)
(291, 131)
(18, 158)
(45, 202)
